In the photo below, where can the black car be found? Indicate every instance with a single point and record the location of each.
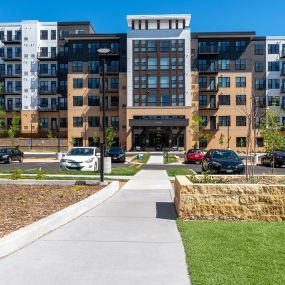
(276, 157)
(7, 155)
(222, 160)
(117, 154)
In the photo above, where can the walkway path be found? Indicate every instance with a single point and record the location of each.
(129, 239)
(155, 159)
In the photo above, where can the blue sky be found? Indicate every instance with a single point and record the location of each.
(263, 16)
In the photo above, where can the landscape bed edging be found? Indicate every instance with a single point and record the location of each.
(26, 235)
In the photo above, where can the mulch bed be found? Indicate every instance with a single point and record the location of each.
(21, 205)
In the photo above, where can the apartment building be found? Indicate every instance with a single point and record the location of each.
(159, 76)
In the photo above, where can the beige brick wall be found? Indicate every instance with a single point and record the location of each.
(229, 201)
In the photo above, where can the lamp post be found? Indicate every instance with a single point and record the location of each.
(102, 52)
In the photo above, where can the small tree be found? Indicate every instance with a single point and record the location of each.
(270, 131)
(14, 128)
(110, 137)
(221, 139)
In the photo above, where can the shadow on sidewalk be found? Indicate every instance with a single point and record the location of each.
(165, 210)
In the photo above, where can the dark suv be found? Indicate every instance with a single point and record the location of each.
(7, 155)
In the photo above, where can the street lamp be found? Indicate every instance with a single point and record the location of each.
(103, 52)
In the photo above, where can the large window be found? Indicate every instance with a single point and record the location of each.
(273, 48)
(224, 82)
(93, 122)
(93, 83)
(77, 122)
(240, 81)
(224, 121)
(224, 100)
(77, 100)
(240, 121)
(273, 83)
(77, 83)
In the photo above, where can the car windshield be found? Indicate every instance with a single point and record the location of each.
(224, 154)
(81, 152)
(3, 150)
(115, 149)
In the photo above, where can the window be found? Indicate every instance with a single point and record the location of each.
(224, 46)
(152, 99)
(164, 82)
(77, 48)
(93, 100)
(93, 122)
(224, 100)
(273, 83)
(152, 63)
(273, 101)
(224, 82)
(152, 46)
(164, 63)
(240, 46)
(273, 66)
(77, 83)
(240, 142)
(259, 49)
(240, 99)
(203, 102)
(240, 64)
(44, 35)
(115, 83)
(273, 48)
(43, 123)
(240, 121)
(77, 100)
(259, 84)
(259, 66)
(93, 83)
(53, 35)
(63, 123)
(77, 122)
(77, 66)
(240, 81)
(224, 121)
(152, 82)
(115, 122)
(224, 64)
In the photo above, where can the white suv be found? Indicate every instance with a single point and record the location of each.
(81, 158)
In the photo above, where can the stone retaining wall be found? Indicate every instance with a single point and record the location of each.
(229, 201)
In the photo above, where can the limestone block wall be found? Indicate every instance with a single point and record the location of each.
(229, 201)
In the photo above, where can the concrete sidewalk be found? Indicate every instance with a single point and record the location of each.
(130, 239)
(155, 159)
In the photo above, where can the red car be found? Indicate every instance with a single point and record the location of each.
(194, 155)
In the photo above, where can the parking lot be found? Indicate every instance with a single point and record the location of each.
(48, 162)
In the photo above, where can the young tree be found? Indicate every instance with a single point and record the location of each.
(270, 131)
(14, 128)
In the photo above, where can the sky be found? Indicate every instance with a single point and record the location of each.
(109, 16)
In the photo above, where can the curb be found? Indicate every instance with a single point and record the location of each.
(28, 234)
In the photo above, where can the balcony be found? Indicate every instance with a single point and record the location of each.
(47, 91)
(17, 39)
(12, 57)
(47, 73)
(47, 56)
(208, 69)
(47, 108)
(9, 74)
(12, 90)
(209, 50)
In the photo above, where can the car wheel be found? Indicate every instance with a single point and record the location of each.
(9, 160)
(21, 160)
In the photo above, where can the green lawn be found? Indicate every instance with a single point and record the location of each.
(170, 158)
(179, 171)
(229, 253)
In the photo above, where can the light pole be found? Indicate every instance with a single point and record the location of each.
(103, 52)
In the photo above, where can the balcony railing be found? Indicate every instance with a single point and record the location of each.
(13, 90)
(46, 91)
(47, 55)
(11, 39)
(47, 108)
(47, 73)
(208, 50)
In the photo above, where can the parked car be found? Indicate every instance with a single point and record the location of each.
(81, 158)
(276, 157)
(222, 160)
(117, 154)
(9, 154)
(194, 155)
